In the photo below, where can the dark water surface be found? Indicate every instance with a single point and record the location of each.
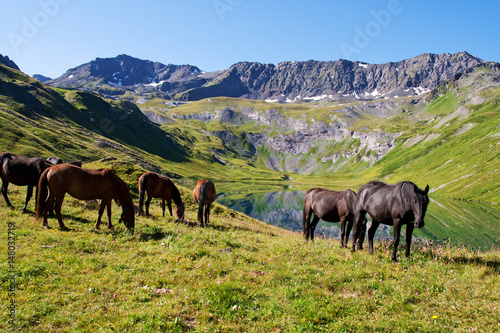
(474, 224)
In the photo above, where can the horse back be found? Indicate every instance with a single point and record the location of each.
(330, 205)
(382, 201)
(155, 185)
(83, 184)
(21, 170)
(206, 189)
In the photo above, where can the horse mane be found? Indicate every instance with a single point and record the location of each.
(408, 191)
(122, 191)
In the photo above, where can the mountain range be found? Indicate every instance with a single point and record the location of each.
(340, 80)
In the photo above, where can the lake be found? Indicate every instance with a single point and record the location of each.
(474, 224)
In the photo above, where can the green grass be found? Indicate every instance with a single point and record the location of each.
(238, 274)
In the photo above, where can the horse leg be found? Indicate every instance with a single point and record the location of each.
(409, 233)
(29, 193)
(395, 242)
(101, 211)
(350, 222)
(306, 217)
(342, 230)
(148, 201)
(312, 226)
(48, 205)
(200, 214)
(58, 207)
(169, 205)
(5, 184)
(108, 211)
(359, 225)
(163, 207)
(207, 214)
(371, 234)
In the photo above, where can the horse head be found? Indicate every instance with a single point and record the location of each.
(180, 211)
(128, 217)
(419, 205)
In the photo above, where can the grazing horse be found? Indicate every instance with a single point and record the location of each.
(21, 171)
(395, 205)
(83, 184)
(157, 186)
(330, 206)
(57, 160)
(204, 196)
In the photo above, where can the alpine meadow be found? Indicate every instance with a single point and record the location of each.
(251, 129)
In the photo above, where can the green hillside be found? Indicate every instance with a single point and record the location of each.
(448, 139)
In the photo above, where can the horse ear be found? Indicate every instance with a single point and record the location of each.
(427, 189)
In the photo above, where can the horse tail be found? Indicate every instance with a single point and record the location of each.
(201, 200)
(4, 157)
(142, 189)
(43, 191)
(305, 216)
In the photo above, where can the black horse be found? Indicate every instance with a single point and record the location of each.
(57, 160)
(21, 171)
(398, 204)
(330, 206)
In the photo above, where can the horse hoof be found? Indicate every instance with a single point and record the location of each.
(46, 226)
(64, 229)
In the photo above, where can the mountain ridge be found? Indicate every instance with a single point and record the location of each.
(284, 82)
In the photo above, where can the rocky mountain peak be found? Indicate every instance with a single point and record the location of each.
(288, 81)
(6, 61)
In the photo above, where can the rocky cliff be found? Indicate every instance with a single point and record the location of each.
(283, 82)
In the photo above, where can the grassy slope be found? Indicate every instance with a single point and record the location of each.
(459, 158)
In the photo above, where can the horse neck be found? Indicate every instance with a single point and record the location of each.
(176, 195)
(124, 194)
(407, 192)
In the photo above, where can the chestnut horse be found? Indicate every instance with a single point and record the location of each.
(83, 184)
(402, 203)
(330, 206)
(156, 186)
(204, 196)
(21, 171)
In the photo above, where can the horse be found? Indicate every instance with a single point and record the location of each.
(83, 184)
(57, 160)
(330, 206)
(157, 186)
(21, 171)
(395, 205)
(204, 196)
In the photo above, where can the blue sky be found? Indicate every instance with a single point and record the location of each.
(50, 36)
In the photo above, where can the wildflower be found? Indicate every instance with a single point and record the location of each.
(435, 317)
(115, 295)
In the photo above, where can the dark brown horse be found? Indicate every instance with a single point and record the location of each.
(156, 186)
(330, 206)
(204, 195)
(402, 203)
(83, 184)
(21, 171)
(57, 160)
